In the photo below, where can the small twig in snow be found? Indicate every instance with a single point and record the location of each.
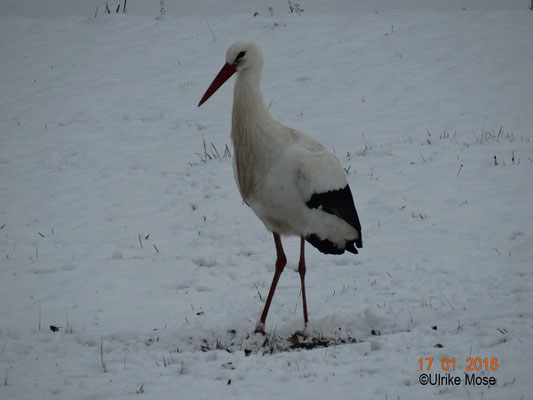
(258, 292)
(211, 30)
(68, 328)
(102, 362)
(445, 298)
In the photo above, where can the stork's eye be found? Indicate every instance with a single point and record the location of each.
(240, 55)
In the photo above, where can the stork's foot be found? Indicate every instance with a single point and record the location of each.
(260, 328)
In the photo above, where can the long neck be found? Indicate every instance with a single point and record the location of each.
(248, 106)
(250, 121)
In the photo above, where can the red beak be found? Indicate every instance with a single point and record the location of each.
(224, 74)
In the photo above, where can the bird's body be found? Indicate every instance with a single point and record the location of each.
(277, 180)
(292, 183)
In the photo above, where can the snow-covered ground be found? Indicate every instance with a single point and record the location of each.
(117, 229)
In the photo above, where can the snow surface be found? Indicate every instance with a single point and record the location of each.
(118, 229)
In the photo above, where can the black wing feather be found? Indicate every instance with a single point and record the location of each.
(340, 203)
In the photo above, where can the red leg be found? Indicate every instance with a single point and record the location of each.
(281, 261)
(301, 271)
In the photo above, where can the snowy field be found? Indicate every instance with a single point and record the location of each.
(129, 265)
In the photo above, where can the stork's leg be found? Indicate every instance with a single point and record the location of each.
(301, 271)
(281, 261)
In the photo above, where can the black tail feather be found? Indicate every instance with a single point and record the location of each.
(339, 203)
(328, 247)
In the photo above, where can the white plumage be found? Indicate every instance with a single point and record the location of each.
(291, 182)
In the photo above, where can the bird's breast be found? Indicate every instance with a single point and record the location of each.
(243, 172)
(255, 153)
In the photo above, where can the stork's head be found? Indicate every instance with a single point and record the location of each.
(244, 55)
(240, 56)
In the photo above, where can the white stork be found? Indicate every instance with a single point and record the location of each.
(291, 182)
